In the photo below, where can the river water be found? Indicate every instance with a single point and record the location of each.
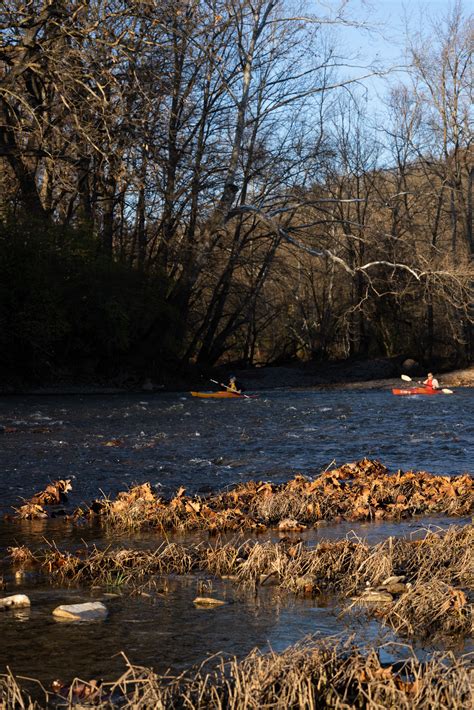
(171, 440)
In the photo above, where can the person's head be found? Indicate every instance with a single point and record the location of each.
(232, 378)
(430, 374)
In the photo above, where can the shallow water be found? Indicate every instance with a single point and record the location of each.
(172, 440)
(165, 631)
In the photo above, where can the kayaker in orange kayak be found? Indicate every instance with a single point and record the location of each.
(431, 381)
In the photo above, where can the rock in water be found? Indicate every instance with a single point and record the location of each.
(17, 601)
(208, 601)
(90, 611)
(393, 579)
(374, 596)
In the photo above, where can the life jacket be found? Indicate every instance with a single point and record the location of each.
(429, 382)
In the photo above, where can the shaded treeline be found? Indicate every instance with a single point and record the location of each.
(191, 181)
(66, 310)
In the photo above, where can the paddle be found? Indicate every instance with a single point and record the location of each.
(227, 389)
(444, 389)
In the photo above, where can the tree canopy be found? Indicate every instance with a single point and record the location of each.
(199, 182)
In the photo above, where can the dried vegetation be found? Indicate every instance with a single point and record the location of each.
(364, 490)
(54, 494)
(360, 491)
(324, 674)
(420, 588)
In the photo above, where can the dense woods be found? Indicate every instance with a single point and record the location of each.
(202, 181)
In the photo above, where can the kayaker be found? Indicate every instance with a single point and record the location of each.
(431, 382)
(232, 386)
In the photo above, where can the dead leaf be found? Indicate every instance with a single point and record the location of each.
(113, 442)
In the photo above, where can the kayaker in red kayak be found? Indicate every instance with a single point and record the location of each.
(431, 382)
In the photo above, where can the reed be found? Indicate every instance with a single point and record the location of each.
(431, 611)
(434, 575)
(313, 674)
(364, 490)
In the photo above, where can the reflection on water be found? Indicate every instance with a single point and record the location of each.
(172, 440)
(67, 536)
(164, 631)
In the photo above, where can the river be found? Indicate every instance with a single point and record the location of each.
(171, 440)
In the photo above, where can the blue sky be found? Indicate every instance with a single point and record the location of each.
(386, 42)
(388, 17)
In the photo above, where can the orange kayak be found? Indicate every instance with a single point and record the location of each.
(417, 390)
(220, 395)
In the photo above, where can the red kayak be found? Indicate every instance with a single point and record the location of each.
(418, 390)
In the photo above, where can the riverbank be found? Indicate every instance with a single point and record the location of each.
(379, 373)
(371, 374)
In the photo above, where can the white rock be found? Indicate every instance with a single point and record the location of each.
(90, 611)
(17, 601)
(394, 579)
(374, 596)
(208, 601)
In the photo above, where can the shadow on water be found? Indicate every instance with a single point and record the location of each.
(172, 440)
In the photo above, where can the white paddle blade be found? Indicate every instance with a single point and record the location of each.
(406, 378)
(446, 391)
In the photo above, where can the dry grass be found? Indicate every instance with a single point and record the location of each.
(313, 674)
(132, 567)
(364, 490)
(344, 566)
(14, 697)
(430, 611)
(437, 572)
(54, 494)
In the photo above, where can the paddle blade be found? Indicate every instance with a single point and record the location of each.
(446, 391)
(406, 378)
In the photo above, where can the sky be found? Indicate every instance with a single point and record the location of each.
(386, 43)
(389, 17)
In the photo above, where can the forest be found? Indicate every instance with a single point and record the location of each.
(200, 182)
